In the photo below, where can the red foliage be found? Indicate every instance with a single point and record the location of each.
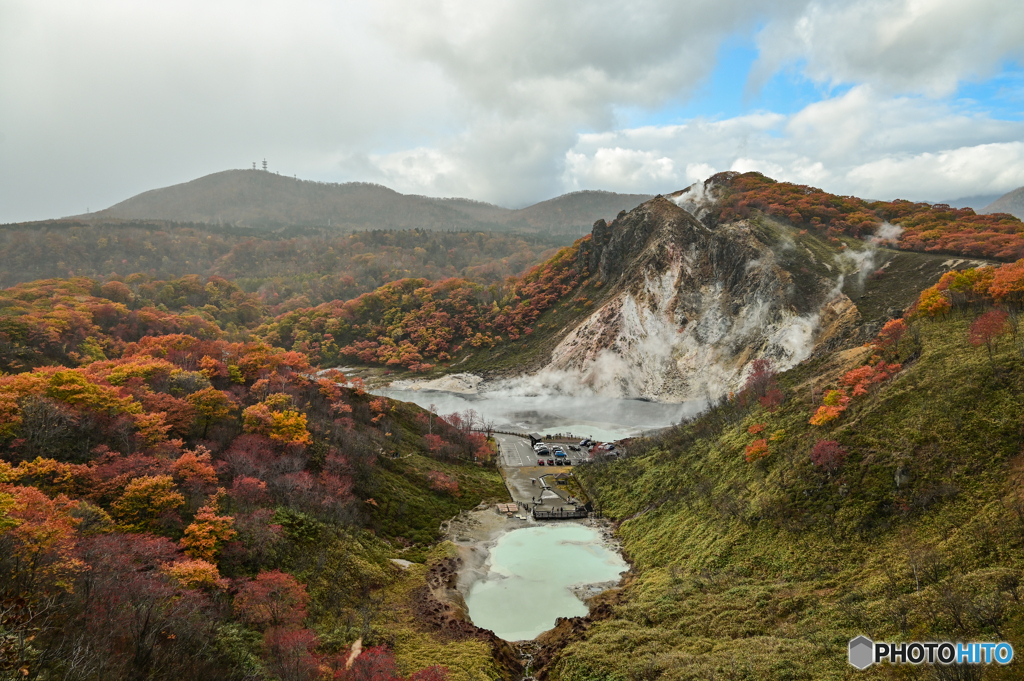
(890, 336)
(273, 599)
(828, 455)
(988, 327)
(925, 227)
(249, 492)
(290, 654)
(440, 482)
(373, 664)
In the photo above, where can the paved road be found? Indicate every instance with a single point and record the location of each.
(515, 451)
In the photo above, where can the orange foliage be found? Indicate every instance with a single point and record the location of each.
(38, 533)
(864, 377)
(757, 450)
(204, 536)
(835, 403)
(194, 468)
(195, 573)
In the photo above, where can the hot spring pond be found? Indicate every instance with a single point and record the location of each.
(531, 572)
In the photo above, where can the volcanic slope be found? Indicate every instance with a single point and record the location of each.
(672, 308)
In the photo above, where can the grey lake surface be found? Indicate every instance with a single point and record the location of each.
(530, 574)
(596, 416)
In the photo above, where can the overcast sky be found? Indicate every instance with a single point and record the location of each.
(508, 102)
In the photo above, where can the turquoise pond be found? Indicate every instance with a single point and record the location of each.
(531, 572)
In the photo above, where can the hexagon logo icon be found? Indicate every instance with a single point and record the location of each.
(862, 652)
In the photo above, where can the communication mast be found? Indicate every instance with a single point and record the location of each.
(264, 165)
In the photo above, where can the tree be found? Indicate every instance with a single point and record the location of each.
(757, 450)
(290, 653)
(194, 469)
(828, 455)
(373, 664)
(835, 403)
(273, 599)
(890, 336)
(211, 405)
(37, 539)
(195, 574)
(440, 482)
(145, 502)
(208, 532)
(987, 328)
(277, 419)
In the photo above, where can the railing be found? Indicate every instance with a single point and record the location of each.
(560, 515)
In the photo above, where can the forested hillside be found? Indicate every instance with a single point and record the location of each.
(205, 509)
(287, 269)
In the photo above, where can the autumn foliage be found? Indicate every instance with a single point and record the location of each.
(922, 227)
(413, 322)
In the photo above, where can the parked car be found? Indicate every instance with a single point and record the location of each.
(540, 462)
(586, 442)
(574, 448)
(568, 462)
(551, 462)
(559, 453)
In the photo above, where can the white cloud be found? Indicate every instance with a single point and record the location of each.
(510, 101)
(625, 168)
(910, 46)
(859, 143)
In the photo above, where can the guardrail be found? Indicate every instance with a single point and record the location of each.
(560, 515)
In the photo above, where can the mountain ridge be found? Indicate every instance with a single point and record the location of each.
(257, 198)
(1011, 202)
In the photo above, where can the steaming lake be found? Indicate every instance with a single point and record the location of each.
(531, 570)
(602, 418)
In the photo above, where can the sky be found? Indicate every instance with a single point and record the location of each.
(510, 102)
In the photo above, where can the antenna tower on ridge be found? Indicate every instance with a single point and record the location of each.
(264, 165)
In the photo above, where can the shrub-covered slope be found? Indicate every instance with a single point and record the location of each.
(877, 491)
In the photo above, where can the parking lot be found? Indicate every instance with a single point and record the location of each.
(516, 452)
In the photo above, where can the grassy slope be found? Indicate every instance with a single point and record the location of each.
(766, 570)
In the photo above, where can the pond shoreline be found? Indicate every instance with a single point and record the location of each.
(475, 533)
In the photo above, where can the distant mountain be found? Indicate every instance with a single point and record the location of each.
(975, 202)
(1011, 202)
(256, 198)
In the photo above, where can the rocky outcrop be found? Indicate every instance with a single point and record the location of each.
(691, 303)
(439, 607)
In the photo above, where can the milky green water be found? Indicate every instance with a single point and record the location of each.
(531, 570)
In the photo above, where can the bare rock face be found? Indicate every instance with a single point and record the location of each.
(691, 304)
